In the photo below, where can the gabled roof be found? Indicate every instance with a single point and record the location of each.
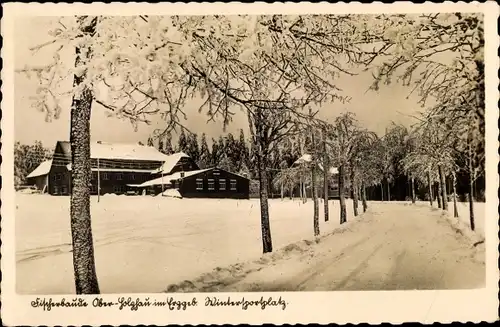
(306, 158)
(42, 169)
(120, 151)
(165, 180)
(170, 161)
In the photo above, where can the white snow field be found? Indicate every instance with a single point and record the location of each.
(144, 244)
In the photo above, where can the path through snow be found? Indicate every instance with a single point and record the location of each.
(408, 247)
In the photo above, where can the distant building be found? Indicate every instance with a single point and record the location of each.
(333, 187)
(40, 176)
(132, 168)
(201, 183)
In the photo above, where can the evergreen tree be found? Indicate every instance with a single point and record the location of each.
(193, 149)
(225, 163)
(151, 142)
(161, 148)
(243, 149)
(217, 151)
(204, 160)
(167, 146)
(232, 151)
(182, 143)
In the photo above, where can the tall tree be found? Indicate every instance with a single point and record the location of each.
(205, 156)
(182, 142)
(167, 144)
(125, 57)
(193, 148)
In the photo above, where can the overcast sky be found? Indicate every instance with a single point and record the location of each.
(374, 110)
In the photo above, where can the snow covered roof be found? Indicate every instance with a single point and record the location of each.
(104, 169)
(169, 162)
(42, 169)
(307, 158)
(165, 180)
(123, 151)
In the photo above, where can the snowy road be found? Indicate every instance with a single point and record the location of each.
(410, 247)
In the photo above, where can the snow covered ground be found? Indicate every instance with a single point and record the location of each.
(144, 244)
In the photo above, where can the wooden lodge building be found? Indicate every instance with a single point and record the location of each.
(137, 169)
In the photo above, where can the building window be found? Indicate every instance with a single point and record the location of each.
(118, 188)
(132, 177)
(233, 185)
(64, 190)
(56, 190)
(119, 177)
(199, 184)
(211, 185)
(216, 173)
(93, 189)
(222, 184)
(105, 176)
(57, 177)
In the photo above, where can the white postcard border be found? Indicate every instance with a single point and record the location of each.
(302, 307)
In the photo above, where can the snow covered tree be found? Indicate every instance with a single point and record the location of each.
(205, 156)
(218, 151)
(167, 144)
(343, 142)
(182, 142)
(271, 67)
(243, 149)
(193, 149)
(121, 64)
(232, 150)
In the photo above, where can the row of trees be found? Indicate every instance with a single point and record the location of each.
(271, 68)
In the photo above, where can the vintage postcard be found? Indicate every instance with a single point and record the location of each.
(249, 163)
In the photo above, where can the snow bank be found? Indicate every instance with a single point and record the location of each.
(221, 277)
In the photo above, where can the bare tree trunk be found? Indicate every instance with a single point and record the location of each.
(304, 192)
(444, 194)
(455, 208)
(267, 244)
(326, 168)
(430, 186)
(438, 195)
(471, 204)
(471, 189)
(413, 190)
(363, 196)
(314, 192)
(80, 220)
(382, 191)
(325, 196)
(354, 192)
(388, 190)
(282, 191)
(300, 190)
(343, 210)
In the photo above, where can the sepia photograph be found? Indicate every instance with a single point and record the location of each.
(248, 153)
